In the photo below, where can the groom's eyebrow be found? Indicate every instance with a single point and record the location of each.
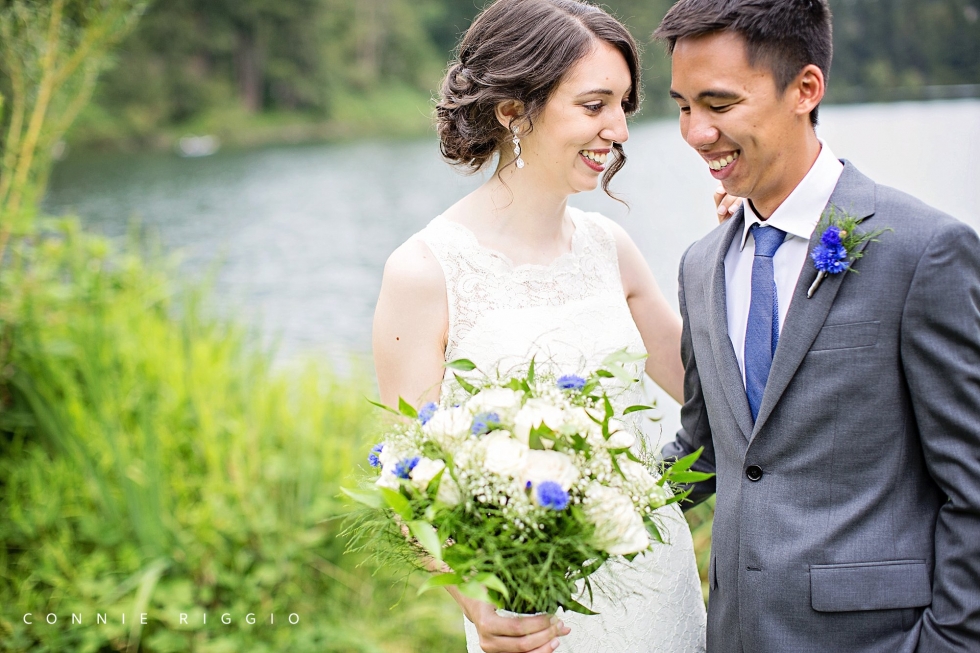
(709, 94)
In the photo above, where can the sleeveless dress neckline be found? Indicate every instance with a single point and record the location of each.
(470, 235)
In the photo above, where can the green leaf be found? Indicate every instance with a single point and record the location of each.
(653, 530)
(622, 356)
(478, 591)
(439, 580)
(427, 537)
(397, 502)
(407, 409)
(689, 477)
(604, 374)
(530, 371)
(492, 582)
(371, 499)
(461, 364)
(685, 463)
(620, 373)
(574, 606)
(465, 385)
(637, 408)
(458, 556)
(382, 406)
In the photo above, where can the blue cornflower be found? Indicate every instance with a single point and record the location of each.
(484, 423)
(830, 258)
(571, 382)
(405, 466)
(373, 456)
(427, 411)
(551, 495)
(831, 237)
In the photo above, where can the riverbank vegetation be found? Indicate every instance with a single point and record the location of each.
(152, 462)
(256, 71)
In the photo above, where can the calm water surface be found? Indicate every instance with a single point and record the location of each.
(302, 233)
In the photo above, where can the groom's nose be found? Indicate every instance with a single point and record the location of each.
(615, 129)
(699, 130)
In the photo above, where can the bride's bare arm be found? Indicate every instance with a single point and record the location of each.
(411, 323)
(659, 325)
(410, 326)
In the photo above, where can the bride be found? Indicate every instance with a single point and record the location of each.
(542, 87)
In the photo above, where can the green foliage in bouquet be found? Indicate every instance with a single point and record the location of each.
(521, 491)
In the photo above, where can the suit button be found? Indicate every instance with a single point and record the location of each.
(753, 473)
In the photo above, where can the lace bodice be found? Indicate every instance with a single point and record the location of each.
(570, 314)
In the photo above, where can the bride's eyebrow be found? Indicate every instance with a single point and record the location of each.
(601, 91)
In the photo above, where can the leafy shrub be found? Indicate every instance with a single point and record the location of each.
(152, 461)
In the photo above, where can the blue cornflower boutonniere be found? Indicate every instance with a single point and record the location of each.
(839, 246)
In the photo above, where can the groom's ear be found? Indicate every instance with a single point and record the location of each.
(509, 112)
(808, 89)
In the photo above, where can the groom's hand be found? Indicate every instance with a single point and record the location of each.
(725, 204)
(514, 634)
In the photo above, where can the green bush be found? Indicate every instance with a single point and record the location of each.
(152, 461)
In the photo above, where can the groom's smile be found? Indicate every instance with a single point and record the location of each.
(752, 137)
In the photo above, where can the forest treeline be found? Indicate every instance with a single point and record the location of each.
(335, 68)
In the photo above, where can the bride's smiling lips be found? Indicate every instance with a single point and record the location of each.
(721, 163)
(595, 158)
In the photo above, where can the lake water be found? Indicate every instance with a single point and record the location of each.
(302, 233)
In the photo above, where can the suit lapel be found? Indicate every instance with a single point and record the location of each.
(721, 343)
(855, 195)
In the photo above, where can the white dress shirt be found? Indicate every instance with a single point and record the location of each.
(798, 216)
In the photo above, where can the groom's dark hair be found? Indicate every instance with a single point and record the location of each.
(784, 35)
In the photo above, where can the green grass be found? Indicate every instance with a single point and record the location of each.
(152, 461)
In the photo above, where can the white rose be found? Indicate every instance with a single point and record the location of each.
(534, 413)
(448, 425)
(619, 529)
(448, 491)
(553, 466)
(504, 455)
(424, 471)
(503, 401)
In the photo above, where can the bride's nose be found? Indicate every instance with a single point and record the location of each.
(615, 129)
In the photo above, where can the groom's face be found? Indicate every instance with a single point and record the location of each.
(732, 114)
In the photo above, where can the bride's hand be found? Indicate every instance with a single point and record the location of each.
(511, 634)
(725, 204)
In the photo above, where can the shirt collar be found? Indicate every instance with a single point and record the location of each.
(800, 213)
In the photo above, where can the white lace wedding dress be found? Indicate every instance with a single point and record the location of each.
(571, 314)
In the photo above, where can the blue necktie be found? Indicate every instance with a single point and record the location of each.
(762, 330)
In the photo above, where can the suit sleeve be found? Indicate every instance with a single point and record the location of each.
(695, 431)
(940, 344)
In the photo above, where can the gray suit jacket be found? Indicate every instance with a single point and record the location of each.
(848, 515)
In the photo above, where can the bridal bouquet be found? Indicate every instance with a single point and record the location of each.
(518, 493)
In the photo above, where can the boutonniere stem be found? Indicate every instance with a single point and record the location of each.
(839, 246)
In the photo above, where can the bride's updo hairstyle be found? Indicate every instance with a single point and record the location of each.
(521, 50)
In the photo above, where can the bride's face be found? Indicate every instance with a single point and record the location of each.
(571, 143)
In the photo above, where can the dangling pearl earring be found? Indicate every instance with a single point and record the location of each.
(517, 147)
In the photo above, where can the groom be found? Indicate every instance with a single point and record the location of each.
(842, 417)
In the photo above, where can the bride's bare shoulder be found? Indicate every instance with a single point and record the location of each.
(414, 270)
